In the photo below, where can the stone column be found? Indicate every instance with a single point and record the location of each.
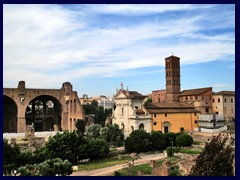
(21, 124)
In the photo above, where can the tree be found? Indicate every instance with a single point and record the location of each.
(10, 157)
(80, 125)
(50, 167)
(94, 104)
(10, 153)
(157, 141)
(137, 141)
(216, 159)
(67, 145)
(93, 131)
(184, 140)
(97, 148)
(112, 134)
(100, 116)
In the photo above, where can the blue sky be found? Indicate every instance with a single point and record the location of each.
(96, 47)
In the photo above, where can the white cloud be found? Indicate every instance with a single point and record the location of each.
(221, 85)
(54, 44)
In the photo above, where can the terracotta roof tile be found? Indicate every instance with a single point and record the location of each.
(195, 91)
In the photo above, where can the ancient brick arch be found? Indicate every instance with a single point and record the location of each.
(65, 98)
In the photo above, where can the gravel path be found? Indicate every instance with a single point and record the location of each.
(109, 170)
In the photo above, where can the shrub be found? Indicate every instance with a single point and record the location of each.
(177, 149)
(137, 142)
(184, 140)
(117, 173)
(170, 151)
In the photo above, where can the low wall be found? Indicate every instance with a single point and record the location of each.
(22, 135)
(213, 130)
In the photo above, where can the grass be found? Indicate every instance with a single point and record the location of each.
(195, 142)
(103, 163)
(188, 151)
(133, 171)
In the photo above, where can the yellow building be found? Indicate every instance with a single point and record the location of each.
(173, 116)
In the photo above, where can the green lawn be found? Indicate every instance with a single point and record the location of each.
(103, 163)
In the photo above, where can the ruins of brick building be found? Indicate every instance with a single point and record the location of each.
(45, 109)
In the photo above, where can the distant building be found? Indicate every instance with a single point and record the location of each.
(223, 104)
(172, 116)
(201, 98)
(105, 102)
(130, 113)
(159, 96)
(211, 123)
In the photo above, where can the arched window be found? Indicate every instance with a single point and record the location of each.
(122, 126)
(141, 127)
(132, 128)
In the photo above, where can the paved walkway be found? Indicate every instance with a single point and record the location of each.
(109, 170)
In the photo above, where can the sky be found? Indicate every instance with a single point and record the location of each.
(96, 47)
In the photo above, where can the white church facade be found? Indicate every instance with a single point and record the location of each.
(130, 113)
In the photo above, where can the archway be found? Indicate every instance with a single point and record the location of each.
(166, 126)
(9, 115)
(44, 113)
(141, 127)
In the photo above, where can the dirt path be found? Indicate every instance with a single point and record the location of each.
(109, 170)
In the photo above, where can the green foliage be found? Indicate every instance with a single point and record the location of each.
(97, 148)
(137, 141)
(149, 100)
(89, 109)
(10, 153)
(177, 149)
(80, 125)
(100, 116)
(174, 171)
(67, 145)
(116, 173)
(93, 131)
(189, 151)
(170, 151)
(216, 159)
(25, 158)
(157, 141)
(112, 134)
(184, 140)
(170, 137)
(94, 104)
(50, 167)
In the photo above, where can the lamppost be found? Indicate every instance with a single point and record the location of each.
(15, 172)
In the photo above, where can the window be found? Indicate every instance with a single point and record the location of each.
(216, 112)
(195, 114)
(191, 97)
(195, 121)
(213, 100)
(219, 100)
(122, 111)
(207, 110)
(136, 107)
(196, 97)
(186, 98)
(225, 99)
(231, 100)
(155, 123)
(155, 115)
(165, 114)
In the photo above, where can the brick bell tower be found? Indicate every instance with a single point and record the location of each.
(173, 86)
